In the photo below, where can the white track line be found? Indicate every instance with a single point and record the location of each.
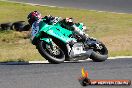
(41, 62)
(119, 57)
(46, 62)
(59, 6)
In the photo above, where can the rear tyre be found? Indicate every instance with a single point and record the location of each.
(6, 26)
(18, 26)
(26, 27)
(99, 55)
(51, 53)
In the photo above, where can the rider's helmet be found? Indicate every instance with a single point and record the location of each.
(69, 21)
(33, 16)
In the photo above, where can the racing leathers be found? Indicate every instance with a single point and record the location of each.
(70, 25)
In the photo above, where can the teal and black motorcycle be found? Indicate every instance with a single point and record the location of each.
(57, 44)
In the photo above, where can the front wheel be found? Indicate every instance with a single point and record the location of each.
(52, 53)
(99, 54)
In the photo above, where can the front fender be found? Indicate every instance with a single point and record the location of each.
(47, 40)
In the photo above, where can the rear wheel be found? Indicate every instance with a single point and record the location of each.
(26, 27)
(52, 53)
(99, 54)
(6, 26)
(18, 26)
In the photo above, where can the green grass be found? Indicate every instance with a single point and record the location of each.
(111, 28)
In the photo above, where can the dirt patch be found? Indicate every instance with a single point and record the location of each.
(118, 42)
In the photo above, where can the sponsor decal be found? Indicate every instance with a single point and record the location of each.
(85, 80)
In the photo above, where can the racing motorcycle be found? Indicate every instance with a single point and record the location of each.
(57, 44)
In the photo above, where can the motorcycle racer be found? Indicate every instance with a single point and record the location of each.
(35, 17)
(59, 40)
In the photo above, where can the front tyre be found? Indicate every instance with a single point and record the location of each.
(52, 53)
(99, 54)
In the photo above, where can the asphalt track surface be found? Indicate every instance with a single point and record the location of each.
(64, 75)
(121, 6)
